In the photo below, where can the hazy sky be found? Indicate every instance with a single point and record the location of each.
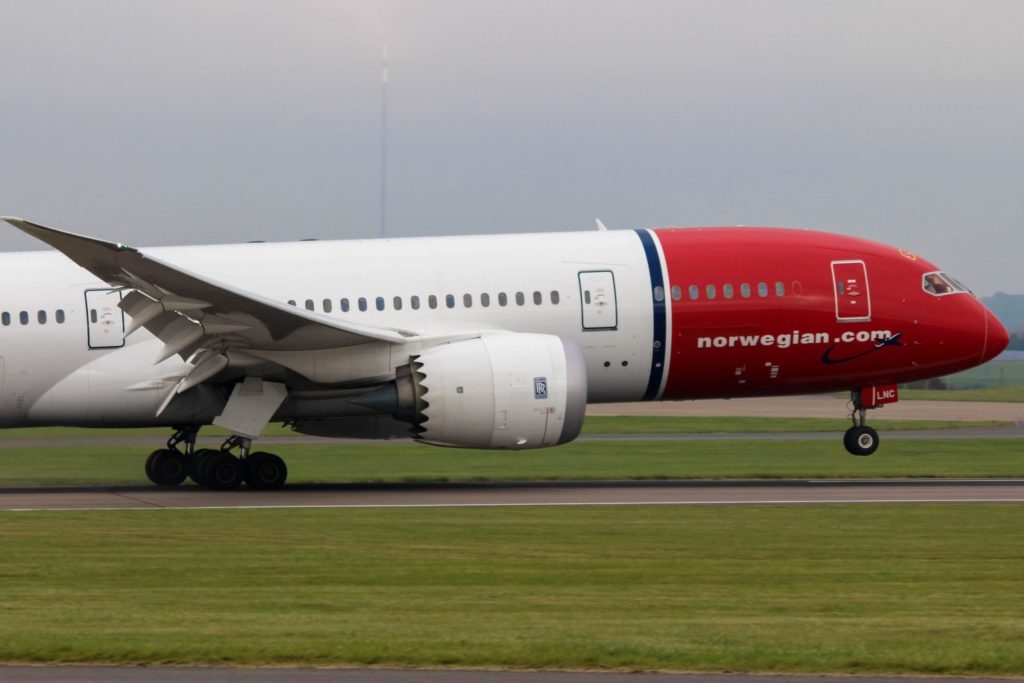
(174, 121)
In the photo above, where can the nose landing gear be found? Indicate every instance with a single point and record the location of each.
(859, 439)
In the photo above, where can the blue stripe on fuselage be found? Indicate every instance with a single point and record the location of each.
(658, 343)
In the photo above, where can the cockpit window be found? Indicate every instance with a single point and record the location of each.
(940, 284)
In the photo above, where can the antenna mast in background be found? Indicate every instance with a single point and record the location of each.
(384, 141)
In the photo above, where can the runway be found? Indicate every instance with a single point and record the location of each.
(604, 494)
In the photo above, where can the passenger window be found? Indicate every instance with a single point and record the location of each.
(41, 317)
(5, 318)
(328, 306)
(291, 302)
(449, 300)
(397, 303)
(362, 304)
(23, 317)
(710, 292)
(538, 299)
(414, 301)
(432, 301)
(727, 291)
(762, 289)
(502, 299)
(467, 300)
(659, 293)
(555, 298)
(344, 306)
(380, 303)
(780, 289)
(694, 292)
(520, 299)
(485, 300)
(677, 292)
(309, 304)
(745, 290)
(60, 316)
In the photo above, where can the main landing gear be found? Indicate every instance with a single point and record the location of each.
(859, 439)
(215, 469)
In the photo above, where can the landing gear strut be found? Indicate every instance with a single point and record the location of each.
(169, 466)
(859, 439)
(216, 469)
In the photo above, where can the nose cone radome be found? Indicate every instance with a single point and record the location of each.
(996, 337)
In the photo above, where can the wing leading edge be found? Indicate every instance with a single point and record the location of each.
(199, 318)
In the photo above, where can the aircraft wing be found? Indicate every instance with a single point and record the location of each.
(189, 312)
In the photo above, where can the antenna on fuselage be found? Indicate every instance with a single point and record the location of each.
(600, 225)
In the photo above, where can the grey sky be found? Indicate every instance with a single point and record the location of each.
(175, 121)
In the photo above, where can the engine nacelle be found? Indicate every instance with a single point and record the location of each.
(501, 391)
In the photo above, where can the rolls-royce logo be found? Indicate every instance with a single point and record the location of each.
(540, 387)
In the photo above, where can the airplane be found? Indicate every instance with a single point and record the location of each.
(491, 342)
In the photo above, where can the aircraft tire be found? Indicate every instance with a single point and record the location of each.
(861, 441)
(166, 467)
(222, 472)
(265, 471)
(199, 459)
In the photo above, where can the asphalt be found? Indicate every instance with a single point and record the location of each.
(83, 674)
(754, 492)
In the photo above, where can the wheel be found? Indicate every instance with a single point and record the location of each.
(199, 459)
(861, 440)
(166, 467)
(265, 471)
(222, 472)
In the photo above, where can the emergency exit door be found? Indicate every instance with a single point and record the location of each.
(597, 297)
(853, 297)
(104, 320)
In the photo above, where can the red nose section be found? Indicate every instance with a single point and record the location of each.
(996, 337)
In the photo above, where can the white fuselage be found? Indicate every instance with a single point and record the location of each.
(82, 371)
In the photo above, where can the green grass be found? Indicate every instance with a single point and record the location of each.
(32, 466)
(640, 424)
(1013, 394)
(597, 424)
(858, 589)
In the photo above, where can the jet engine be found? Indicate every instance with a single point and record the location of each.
(499, 391)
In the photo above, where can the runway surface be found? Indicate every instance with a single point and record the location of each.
(84, 674)
(754, 492)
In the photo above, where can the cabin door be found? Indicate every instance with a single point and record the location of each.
(853, 296)
(105, 320)
(597, 298)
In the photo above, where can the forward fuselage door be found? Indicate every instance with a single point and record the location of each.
(853, 296)
(597, 297)
(105, 321)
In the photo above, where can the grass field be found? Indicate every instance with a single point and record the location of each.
(597, 424)
(923, 589)
(1013, 394)
(62, 465)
